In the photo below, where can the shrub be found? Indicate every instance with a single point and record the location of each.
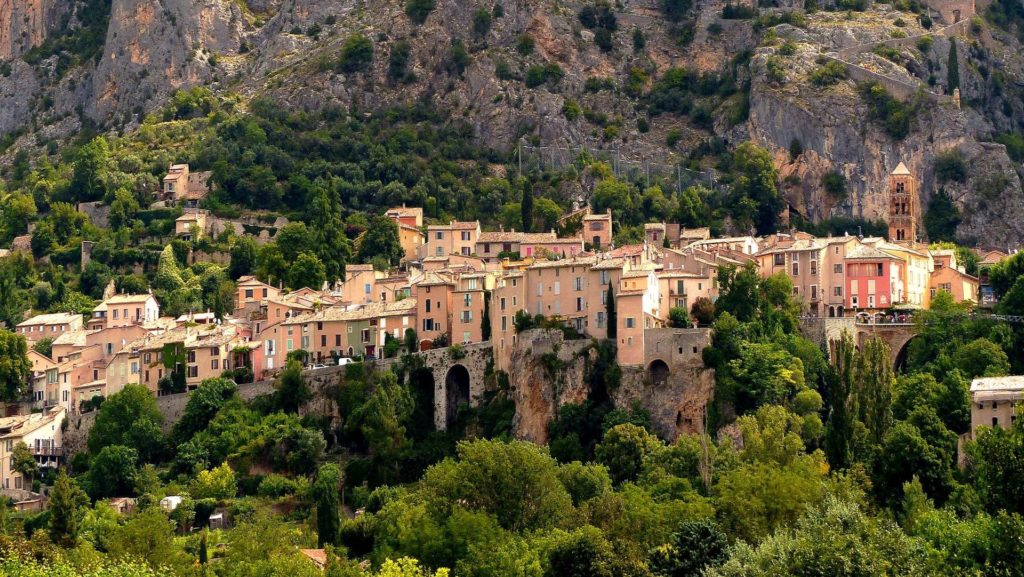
(481, 22)
(835, 184)
(571, 109)
(924, 43)
(672, 138)
(356, 54)
(503, 71)
(676, 10)
(951, 165)
(828, 74)
(788, 48)
(1014, 144)
(525, 44)
(894, 115)
(603, 39)
(418, 10)
(795, 149)
(598, 83)
(738, 12)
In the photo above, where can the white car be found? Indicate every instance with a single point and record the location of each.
(342, 361)
(317, 366)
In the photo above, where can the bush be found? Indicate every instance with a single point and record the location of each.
(537, 75)
(603, 39)
(894, 115)
(481, 22)
(795, 149)
(924, 43)
(788, 48)
(672, 138)
(951, 165)
(571, 109)
(418, 10)
(1014, 144)
(834, 184)
(738, 12)
(356, 54)
(828, 74)
(525, 44)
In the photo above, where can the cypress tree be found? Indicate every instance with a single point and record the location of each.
(874, 379)
(67, 507)
(527, 208)
(325, 492)
(839, 431)
(613, 329)
(952, 68)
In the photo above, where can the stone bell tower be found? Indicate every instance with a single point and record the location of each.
(903, 205)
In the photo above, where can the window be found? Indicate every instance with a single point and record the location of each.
(467, 316)
(579, 304)
(487, 248)
(135, 367)
(215, 364)
(600, 319)
(837, 291)
(427, 303)
(365, 335)
(814, 268)
(467, 300)
(264, 293)
(192, 356)
(837, 268)
(814, 292)
(779, 259)
(466, 337)
(630, 322)
(465, 251)
(796, 268)
(604, 277)
(323, 340)
(193, 372)
(540, 289)
(502, 301)
(337, 340)
(504, 323)
(115, 316)
(558, 288)
(578, 283)
(879, 270)
(439, 251)
(439, 235)
(248, 293)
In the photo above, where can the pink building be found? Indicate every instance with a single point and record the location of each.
(874, 279)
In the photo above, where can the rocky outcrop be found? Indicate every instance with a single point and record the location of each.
(288, 50)
(25, 24)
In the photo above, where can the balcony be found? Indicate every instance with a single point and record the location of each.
(47, 451)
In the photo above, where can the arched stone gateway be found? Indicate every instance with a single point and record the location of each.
(458, 378)
(658, 372)
(456, 385)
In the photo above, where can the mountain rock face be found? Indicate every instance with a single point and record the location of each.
(26, 23)
(512, 90)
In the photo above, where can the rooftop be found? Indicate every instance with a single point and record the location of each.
(51, 319)
(1010, 383)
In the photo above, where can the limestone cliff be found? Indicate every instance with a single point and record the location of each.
(289, 49)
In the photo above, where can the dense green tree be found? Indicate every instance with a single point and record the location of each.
(123, 210)
(906, 452)
(356, 54)
(582, 553)
(291, 389)
(120, 413)
(981, 357)
(113, 472)
(516, 482)
(381, 240)
(418, 10)
(203, 405)
(217, 483)
(307, 271)
(756, 180)
(325, 491)
(24, 462)
(872, 394)
(624, 449)
(997, 456)
(764, 373)
(942, 217)
(91, 165)
(526, 208)
(952, 68)
(838, 538)
(15, 367)
(243, 257)
(840, 424)
(697, 546)
(328, 233)
(68, 503)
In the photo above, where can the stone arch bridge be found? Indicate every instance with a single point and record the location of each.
(828, 331)
(458, 374)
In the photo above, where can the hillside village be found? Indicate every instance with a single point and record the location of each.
(458, 286)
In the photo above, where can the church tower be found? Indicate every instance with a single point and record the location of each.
(903, 209)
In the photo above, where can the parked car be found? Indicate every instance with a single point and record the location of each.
(342, 361)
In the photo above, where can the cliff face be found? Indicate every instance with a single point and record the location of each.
(26, 23)
(288, 49)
